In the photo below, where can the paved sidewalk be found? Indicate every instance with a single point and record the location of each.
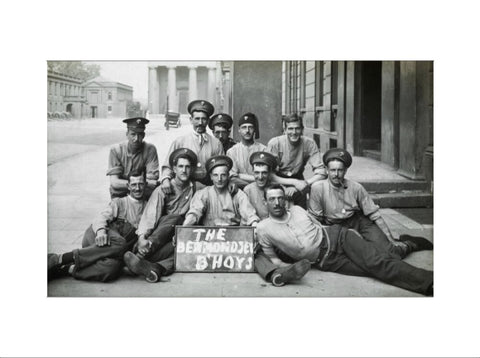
(78, 190)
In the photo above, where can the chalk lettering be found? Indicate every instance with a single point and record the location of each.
(202, 263)
(249, 264)
(229, 262)
(180, 247)
(240, 261)
(210, 235)
(189, 248)
(233, 246)
(217, 261)
(221, 234)
(199, 233)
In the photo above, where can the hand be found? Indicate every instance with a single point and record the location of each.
(290, 191)
(301, 185)
(232, 188)
(143, 246)
(166, 187)
(102, 238)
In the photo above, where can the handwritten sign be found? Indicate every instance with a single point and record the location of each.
(214, 249)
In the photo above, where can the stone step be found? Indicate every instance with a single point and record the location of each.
(403, 200)
(398, 186)
(372, 153)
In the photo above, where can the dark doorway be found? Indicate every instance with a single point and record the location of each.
(69, 108)
(370, 109)
(93, 111)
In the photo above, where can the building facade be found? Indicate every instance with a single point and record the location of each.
(173, 84)
(66, 96)
(378, 109)
(106, 98)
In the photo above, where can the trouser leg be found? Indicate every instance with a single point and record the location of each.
(372, 233)
(264, 266)
(164, 257)
(164, 231)
(103, 263)
(384, 267)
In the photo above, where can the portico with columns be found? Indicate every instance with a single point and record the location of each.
(173, 84)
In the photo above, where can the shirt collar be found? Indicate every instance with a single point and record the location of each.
(198, 135)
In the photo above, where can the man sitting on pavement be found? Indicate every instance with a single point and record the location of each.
(154, 251)
(201, 143)
(215, 205)
(263, 164)
(241, 173)
(294, 151)
(220, 124)
(106, 240)
(133, 155)
(290, 236)
(345, 202)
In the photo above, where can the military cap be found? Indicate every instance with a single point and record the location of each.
(265, 158)
(183, 153)
(218, 160)
(201, 105)
(220, 118)
(337, 154)
(252, 119)
(137, 124)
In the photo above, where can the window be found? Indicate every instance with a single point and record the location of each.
(109, 109)
(109, 96)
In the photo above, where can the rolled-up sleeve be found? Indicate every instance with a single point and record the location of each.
(198, 205)
(115, 164)
(315, 207)
(315, 159)
(152, 213)
(267, 246)
(367, 205)
(106, 216)
(247, 211)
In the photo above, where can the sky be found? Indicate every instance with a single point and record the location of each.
(132, 73)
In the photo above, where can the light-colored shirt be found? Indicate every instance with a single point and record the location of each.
(212, 208)
(122, 162)
(160, 204)
(125, 208)
(293, 158)
(332, 205)
(257, 199)
(211, 146)
(240, 154)
(298, 236)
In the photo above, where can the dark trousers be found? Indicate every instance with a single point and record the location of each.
(372, 233)
(263, 265)
(350, 254)
(162, 249)
(103, 263)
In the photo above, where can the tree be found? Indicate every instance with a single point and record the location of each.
(76, 69)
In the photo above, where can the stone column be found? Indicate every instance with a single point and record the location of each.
(172, 89)
(152, 90)
(211, 84)
(192, 83)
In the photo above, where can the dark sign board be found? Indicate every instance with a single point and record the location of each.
(214, 249)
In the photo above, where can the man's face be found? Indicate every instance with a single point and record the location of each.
(247, 131)
(221, 133)
(275, 202)
(261, 174)
(294, 131)
(199, 121)
(336, 172)
(183, 169)
(135, 139)
(219, 176)
(136, 185)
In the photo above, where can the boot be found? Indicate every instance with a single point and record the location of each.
(151, 271)
(290, 273)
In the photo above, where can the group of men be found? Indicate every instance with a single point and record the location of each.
(325, 221)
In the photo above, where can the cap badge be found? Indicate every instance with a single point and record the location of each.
(203, 103)
(261, 156)
(246, 117)
(139, 121)
(199, 165)
(213, 161)
(340, 154)
(220, 116)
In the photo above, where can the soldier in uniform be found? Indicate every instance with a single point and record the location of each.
(263, 165)
(288, 236)
(133, 155)
(294, 151)
(215, 205)
(111, 234)
(345, 202)
(220, 124)
(241, 173)
(153, 257)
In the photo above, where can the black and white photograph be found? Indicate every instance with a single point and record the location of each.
(239, 179)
